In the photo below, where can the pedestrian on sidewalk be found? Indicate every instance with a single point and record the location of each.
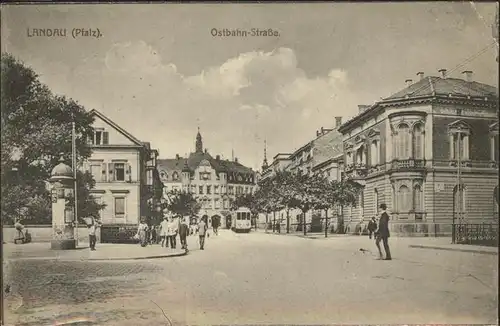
(172, 228)
(372, 226)
(163, 231)
(142, 231)
(382, 233)
(183, 232)
(93, 224)
(202, 230)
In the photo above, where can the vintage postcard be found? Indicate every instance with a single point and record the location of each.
(249, 163)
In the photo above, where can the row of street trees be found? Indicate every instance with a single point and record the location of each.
(288, 191)
(35, 130)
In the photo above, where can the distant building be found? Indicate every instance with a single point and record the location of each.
(215, 182)
(404, 151)
(124, 169)
(321, 155)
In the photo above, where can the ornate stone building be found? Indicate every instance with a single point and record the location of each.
(213, 181)
(405, 151)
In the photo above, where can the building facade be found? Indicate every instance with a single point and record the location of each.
(322, 155)
(412, 150)
(125, 173)
(214, 182)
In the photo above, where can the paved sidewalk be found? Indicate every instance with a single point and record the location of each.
(435, 243)
(104, 252)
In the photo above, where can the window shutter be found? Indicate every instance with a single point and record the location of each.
(105, 138)
(111, 172)
(104, 170)
(128, 172)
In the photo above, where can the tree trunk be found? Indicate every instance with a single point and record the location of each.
(287, 221)
(267, 221)
(274, 220)
(326, 223)
(304, 222)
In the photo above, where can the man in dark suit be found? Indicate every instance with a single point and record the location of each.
(382, 233)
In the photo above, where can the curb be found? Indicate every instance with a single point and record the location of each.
(318, 237)
(102, 259)
(477, 251)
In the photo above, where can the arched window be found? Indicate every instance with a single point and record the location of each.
(374, 153)
(417, 199)
(418, 142)
(349, 158)
(403, 148)
(361, 155)
(404, 199)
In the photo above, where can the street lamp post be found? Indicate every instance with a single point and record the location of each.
(458, 132)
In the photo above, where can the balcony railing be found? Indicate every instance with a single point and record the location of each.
(408, 164)
(356, 170)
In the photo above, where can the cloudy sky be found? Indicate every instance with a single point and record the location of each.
(159, 73)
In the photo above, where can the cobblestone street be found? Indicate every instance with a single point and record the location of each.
(259, 278)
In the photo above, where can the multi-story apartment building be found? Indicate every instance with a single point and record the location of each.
(409, 149)
(124, 169)
(215, 182)
(321, 155)
(280, 162)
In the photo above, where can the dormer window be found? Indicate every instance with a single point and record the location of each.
(175, 176)
(99, 137)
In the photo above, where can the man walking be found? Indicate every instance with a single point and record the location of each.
(202, 230)
(92, 226)
(383, 233)
(183, 232)
(372, 226)
(163, 231)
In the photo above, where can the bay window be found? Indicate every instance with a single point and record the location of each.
(402, 142)
(418, 142)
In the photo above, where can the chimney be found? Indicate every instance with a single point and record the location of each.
(206, 150)
(443, 73)
(408, 82)
(217, 157)
(177, 156)
(236, 159)
(317, 133)
(420, 75)
(338, 121)
(467, 75)
(362, 108)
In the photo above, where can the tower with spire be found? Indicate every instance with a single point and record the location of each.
(265, 165)
(199, 142)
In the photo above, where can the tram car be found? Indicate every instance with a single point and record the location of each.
(241, 220)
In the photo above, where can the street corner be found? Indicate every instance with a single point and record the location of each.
(133, 252)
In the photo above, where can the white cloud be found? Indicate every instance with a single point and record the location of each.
(250, 97)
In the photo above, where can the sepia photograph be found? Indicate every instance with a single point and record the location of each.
(286, 163)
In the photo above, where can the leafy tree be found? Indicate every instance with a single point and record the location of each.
(35, 129)
(183, 203)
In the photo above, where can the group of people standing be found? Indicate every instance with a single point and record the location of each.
(380, 230)
(171, 226)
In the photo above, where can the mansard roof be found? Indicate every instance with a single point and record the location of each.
(433, 86)
(194, 160)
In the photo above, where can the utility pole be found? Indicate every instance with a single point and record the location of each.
(73, 157)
